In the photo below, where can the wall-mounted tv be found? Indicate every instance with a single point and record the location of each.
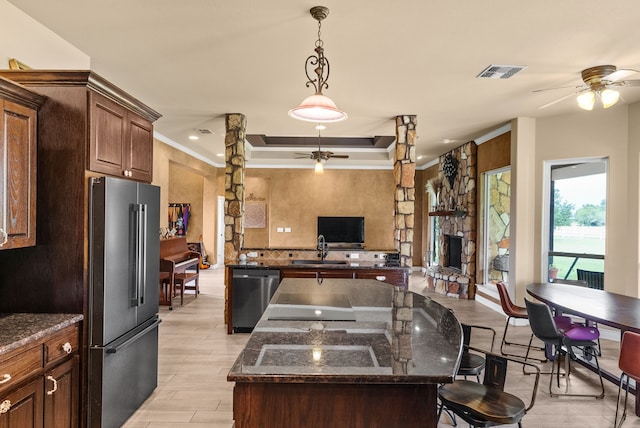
(341, 230)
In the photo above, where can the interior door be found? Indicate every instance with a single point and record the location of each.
(220, 233)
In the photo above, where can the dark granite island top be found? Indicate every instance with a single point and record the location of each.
(356, 351)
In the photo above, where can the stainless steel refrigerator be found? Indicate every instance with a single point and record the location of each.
(124, 259)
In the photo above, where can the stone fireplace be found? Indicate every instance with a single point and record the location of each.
(456, 210)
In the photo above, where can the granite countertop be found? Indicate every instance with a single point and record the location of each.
(279, 264)
(350, 331)
(17, 330)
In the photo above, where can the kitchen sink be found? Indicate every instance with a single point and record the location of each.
(318, 262)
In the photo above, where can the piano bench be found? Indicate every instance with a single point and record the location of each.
(166, 290)
(182, 279)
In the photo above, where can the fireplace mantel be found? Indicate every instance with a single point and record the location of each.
(448, 213)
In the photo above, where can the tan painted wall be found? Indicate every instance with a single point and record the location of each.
(599, 133)
(174, 170)
(186, 187)
(258, 190)
(298, 197)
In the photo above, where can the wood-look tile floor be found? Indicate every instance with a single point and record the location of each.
(195, 354)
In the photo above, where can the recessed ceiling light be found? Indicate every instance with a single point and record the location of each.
(320, 127)
(194, 137)
(220, 155)
(420, 157)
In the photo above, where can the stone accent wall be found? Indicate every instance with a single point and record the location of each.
(457, 178)
(404, 171)
(234, 186)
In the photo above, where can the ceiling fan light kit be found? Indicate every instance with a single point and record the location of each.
(318, 107)
(586, 100)
(597, 83)
(319, 168)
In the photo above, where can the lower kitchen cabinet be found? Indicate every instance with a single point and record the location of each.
(22, 408)
(397, 277)
(61, 395)
(40, 383)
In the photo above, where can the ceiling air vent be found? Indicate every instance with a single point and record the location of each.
(500, 71)
(204, 131)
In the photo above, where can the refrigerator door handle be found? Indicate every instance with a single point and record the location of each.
(142, 277)
(139, 274)
(114, 349)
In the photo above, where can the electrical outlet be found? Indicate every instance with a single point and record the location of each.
(355, 255)
(287, 230)
(279, 229)
(252, 254)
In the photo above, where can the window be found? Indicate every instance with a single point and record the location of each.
(496, 219)
(577, 200)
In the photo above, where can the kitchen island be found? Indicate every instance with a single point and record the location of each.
(347, 352)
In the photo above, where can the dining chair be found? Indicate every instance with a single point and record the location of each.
(471, 363)
(629, 363)
(563, 342)
(487, 404)
(514, 311)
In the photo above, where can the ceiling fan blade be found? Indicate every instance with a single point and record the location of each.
(558, 87)
(339, 156)
(556, 101)
(631, 82)
(619, 75)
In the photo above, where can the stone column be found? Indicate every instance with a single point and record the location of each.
(401, 330)
(234, 186)
(404, 171)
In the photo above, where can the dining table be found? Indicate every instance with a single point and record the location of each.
(603, 307)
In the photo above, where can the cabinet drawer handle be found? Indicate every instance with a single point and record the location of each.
(5, 237)
(67, 348)
(55, 385)
(5, 378)
(5, 406)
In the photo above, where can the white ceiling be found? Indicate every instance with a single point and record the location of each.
(193, 61)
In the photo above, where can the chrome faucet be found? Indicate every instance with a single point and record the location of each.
(322, 247)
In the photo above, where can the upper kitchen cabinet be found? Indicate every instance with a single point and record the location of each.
(121, 142)
(119, 127)
(18, 165)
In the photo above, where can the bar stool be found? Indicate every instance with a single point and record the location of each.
(630, 365)
(511, 310)
(582, 337)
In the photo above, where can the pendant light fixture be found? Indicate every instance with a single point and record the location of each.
(318, 107)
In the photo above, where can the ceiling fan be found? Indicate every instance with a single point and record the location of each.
(320, 156)
(598, 82)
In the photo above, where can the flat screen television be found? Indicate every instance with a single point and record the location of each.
(341, 230)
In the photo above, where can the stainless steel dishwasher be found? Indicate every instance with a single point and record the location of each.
(252, 291)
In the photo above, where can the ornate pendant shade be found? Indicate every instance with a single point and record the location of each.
(318, 107)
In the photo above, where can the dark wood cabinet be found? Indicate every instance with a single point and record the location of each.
(61, 395)
(317, 273)
(42, 383)
(18, 165)
(23, 407)
(395, 276)
(53, 275)
(121, 142)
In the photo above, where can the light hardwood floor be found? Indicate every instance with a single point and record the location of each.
(196, 354)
